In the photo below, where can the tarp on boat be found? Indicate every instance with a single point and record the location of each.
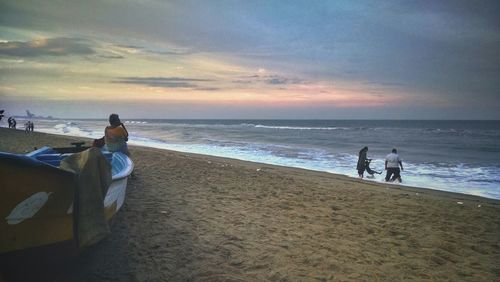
(93, 177)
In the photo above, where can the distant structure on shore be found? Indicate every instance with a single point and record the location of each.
(30, 115)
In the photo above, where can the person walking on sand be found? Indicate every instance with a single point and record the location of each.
(361, 161)
(116, 135)
(392, 164)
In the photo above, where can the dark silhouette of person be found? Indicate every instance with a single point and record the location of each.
(392, 164)
(370, 171)
(361, 161)
(116, 135)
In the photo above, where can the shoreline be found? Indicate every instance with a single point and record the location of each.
(353, 178)
(198, 217)
(470, 171)
(319, 173)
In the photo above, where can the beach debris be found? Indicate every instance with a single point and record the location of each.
(460, 203)
(209, 162)
(163, 212)
(258, 169)
(416, 194)
(478, 206)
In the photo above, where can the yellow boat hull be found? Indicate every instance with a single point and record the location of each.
(35, 200)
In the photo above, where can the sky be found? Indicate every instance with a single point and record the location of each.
(251, 59)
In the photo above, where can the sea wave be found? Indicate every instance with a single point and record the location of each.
(461, 132)
(300, 150)
(299, 127)
(135, 122)
(70, 129)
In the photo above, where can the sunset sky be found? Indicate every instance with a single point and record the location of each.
(251, 59)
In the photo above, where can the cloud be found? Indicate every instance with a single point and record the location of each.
(174, 53)
(60, 46)
(162, 51)
(269, 79)
(437, 49)
(383, 84)
(112, 56)
(278, 80)
(167, 82)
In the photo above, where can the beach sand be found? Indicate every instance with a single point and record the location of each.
(192, 217)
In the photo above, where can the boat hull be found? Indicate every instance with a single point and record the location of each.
(35, 200)
(36, 206)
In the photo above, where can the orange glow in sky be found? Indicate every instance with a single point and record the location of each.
(342, 57)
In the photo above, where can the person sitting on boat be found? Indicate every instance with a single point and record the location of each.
(116, 135)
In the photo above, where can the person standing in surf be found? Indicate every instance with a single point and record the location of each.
(392, 164)
(361, 161)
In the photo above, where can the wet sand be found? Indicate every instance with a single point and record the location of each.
(191, 217)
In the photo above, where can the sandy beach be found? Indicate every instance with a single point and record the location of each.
(193, 217)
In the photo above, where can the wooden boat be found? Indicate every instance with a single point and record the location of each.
(37, 197)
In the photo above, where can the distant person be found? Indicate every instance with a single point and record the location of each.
(13, 123)
(361, 161)
(32, 126)
(9, 121)
(1, 114)
(29, 126)
(116, 135)
(392, 164)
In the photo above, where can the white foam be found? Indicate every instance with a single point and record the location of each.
(299, 127)
(71, 129)
(135, 122)
(458, 178)
(414, 175)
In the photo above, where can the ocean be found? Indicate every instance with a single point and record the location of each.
(455, 156)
